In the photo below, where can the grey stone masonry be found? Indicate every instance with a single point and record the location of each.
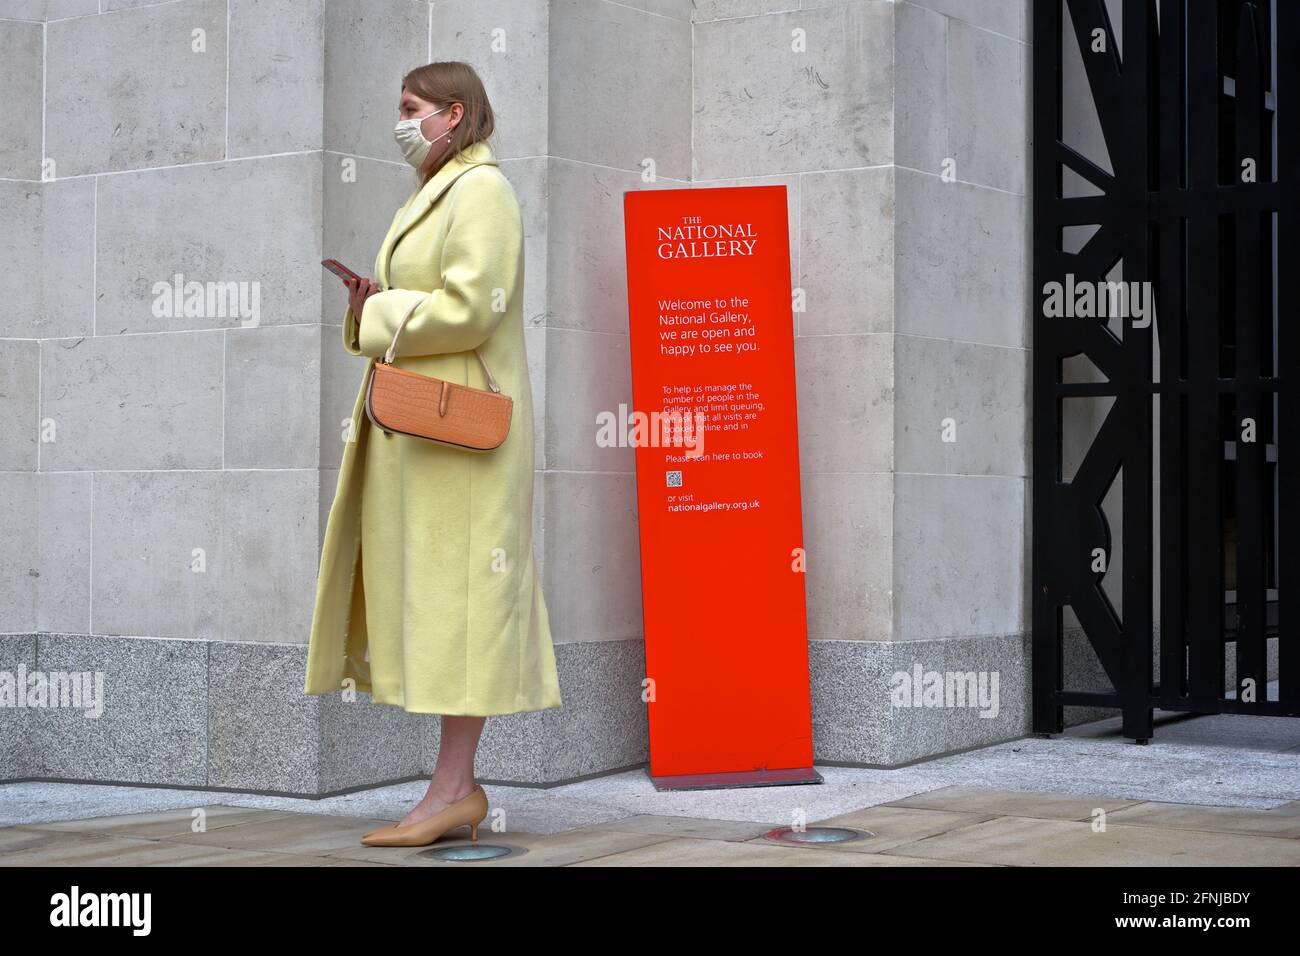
(169, 460)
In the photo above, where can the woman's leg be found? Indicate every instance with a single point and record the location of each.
(453, 774)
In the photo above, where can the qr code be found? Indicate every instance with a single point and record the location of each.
(674, 479)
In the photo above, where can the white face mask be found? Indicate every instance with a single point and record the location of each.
(410, 137)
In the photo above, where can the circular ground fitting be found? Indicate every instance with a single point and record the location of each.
(816, 835)
(469, 852)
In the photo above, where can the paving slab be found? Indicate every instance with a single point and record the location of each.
(165, 824)
(1023, 841)
(891, 826)
(1014, 803)
(562, 849)
(1283, 821)
(309, 834)
(76, 849)
(706, 829)
(693, 852)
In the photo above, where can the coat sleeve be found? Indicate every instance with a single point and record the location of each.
(480, 269)
(350, 341)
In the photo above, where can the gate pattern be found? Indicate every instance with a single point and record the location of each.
(1194, 99)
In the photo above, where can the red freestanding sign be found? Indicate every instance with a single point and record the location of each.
(717, 477)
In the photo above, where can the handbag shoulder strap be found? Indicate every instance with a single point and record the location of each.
(492, 382)
(392, 347)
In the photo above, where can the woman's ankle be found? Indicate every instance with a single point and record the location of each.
(451, 790)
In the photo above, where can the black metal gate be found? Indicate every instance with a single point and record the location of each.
(1194, 200)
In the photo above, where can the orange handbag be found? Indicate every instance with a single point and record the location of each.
(448, 413)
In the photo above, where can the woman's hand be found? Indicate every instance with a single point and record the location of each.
(358, 292)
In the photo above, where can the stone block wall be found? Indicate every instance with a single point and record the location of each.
(169, 474)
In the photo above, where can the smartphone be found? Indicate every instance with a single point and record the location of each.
(339, 269)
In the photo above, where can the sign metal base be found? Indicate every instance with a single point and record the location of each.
(790, 776)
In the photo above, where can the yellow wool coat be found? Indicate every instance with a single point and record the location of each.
(428, 597)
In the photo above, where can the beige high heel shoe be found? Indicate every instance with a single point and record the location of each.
(468, 810)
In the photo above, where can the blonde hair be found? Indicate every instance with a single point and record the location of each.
(452, 81)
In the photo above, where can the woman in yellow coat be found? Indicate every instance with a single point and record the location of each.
(428, 596)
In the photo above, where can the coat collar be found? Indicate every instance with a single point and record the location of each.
(475, 154)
